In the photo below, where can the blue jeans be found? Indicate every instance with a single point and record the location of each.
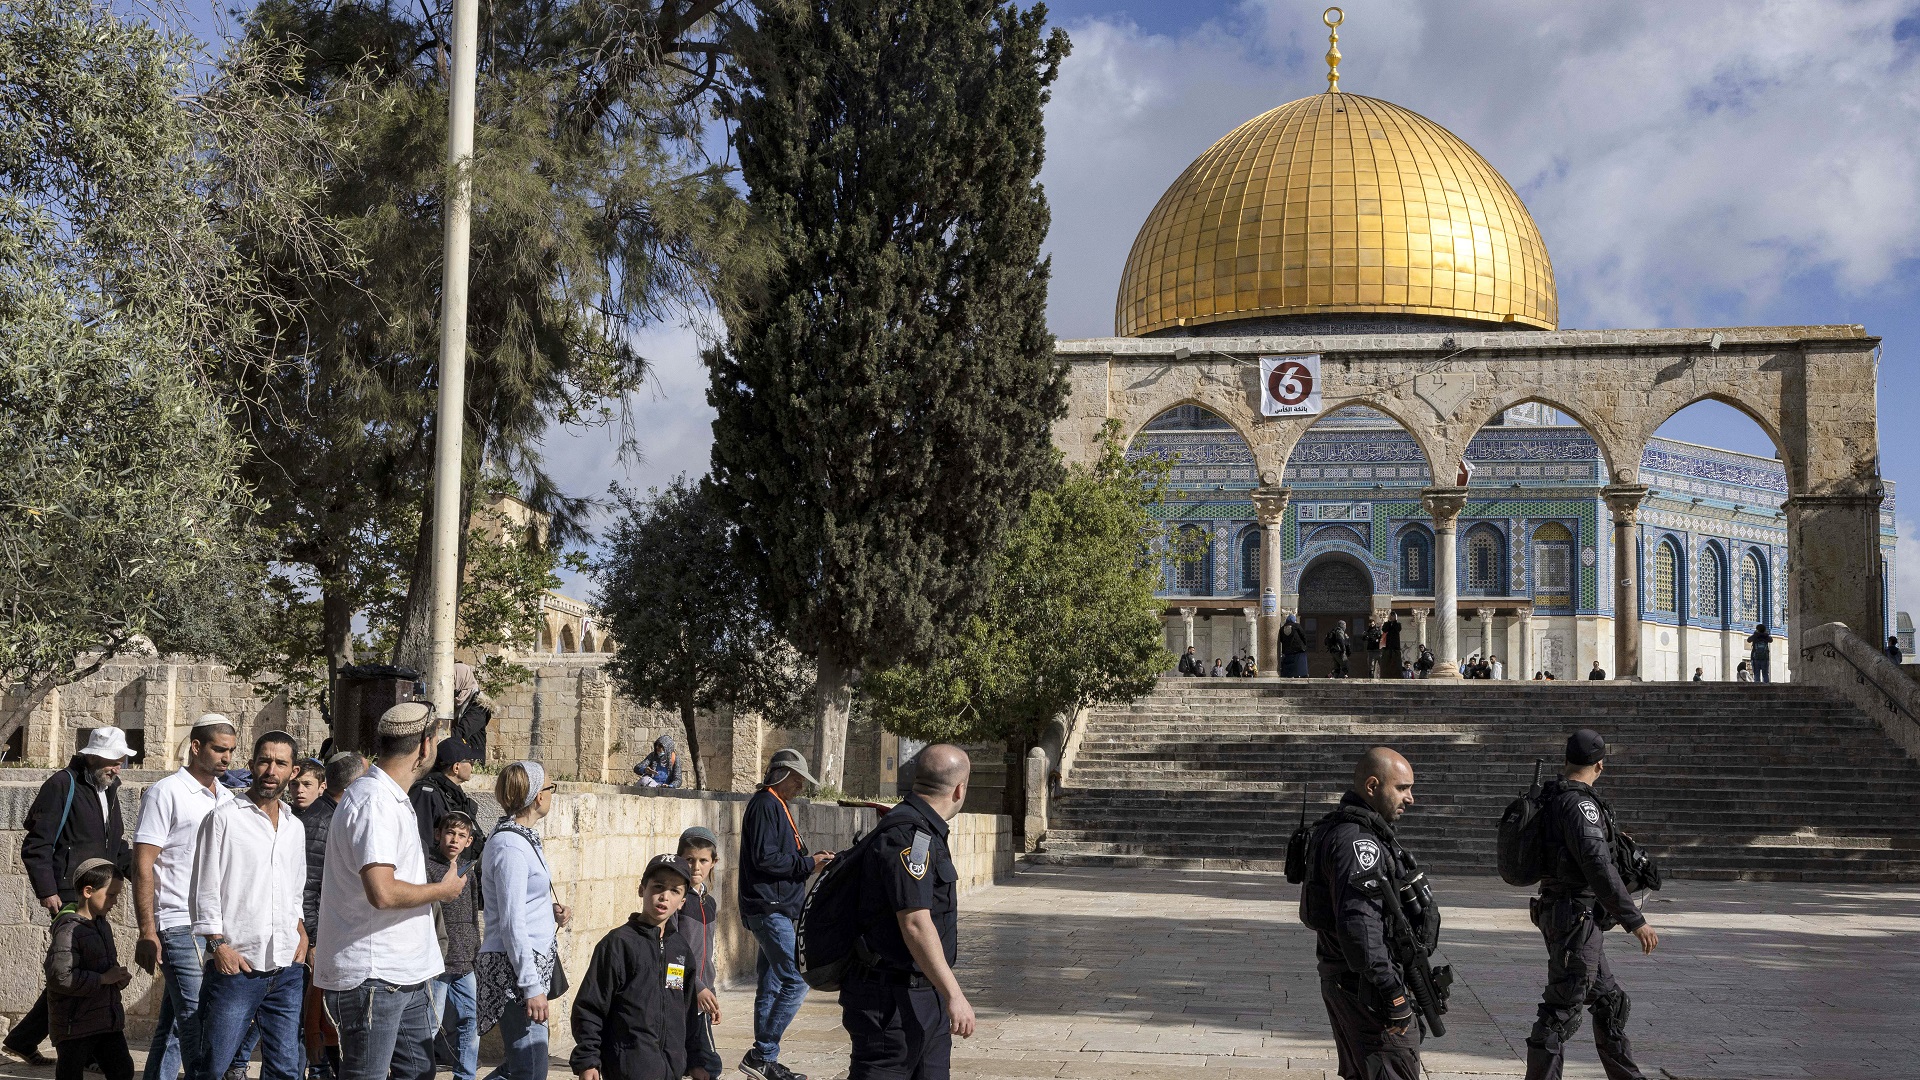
(781, 989)
(1762, 666)
(177, 1034)
(526, 1046)
(460, 992)
(232, 1006)
(385, 1031)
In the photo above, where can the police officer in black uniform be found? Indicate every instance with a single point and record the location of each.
(1352, 862)
(1580, 896)
(900, 1002)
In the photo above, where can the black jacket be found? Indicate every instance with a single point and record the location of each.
(433, 795)
(317, 820)
(1354, 858)
(82, 950)
(893, 881)
(630, 1020)
(1339, 643)
(1391, 631)
(774, 864)
(1581, 828)
(50, 859)
(1293, 640)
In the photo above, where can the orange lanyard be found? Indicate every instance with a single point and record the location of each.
(796, 829)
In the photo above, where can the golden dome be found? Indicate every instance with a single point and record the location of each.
(1337, 204)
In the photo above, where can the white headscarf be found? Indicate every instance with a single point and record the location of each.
(536, 779)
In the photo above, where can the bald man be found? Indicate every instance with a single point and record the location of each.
(1353, 864)
(903, 1007)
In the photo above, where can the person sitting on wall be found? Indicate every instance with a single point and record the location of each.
(662, 767)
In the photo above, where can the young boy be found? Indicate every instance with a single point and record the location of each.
(84, 980)
(630, 1020)
(700, 850)
(454, 993)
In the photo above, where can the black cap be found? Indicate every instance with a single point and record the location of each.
(670, 862)
(1584, 747)
(453, 751)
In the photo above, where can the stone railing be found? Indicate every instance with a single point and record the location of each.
(598, 839)
(1047, 767)
(1832, 655)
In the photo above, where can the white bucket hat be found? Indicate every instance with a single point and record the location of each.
(108, 743)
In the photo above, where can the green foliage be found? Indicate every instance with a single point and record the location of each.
(685, 636)
(594, 213)
(886, 392)
(1071, 618)
(122, 511)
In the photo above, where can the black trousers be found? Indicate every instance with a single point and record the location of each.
(108, 1048)
(31, 1031)
(1367, 1050)
(898, 1033)
(1577, 975)
(1340, 670)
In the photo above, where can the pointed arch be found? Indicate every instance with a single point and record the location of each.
(1768, 427)
(1413, 560)
(1611, 457)
(1710, 585)
(1484, 548)
(1290, 439)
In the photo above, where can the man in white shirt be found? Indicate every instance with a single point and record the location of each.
(378, 949)
(249, 876)
(163, 843)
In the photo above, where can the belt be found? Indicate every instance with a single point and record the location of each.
(912, 980)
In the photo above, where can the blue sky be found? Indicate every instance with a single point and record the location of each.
(1712, 163)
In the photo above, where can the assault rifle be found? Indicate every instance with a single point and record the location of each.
(1426, 984)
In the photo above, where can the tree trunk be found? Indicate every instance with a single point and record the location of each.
(336, 633)
(693, 743)
(833, 700)
(1013, 798)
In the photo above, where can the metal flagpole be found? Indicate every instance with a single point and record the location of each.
(450, 420)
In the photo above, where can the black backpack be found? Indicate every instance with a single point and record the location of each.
(829, 931)
(1525, 852)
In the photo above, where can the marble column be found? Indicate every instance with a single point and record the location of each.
(1485, 615)
(1420, 625)
(1525, 657)
(1253, 639)
(1186, 623)
(1624, 500)
(1270, 507)
(1729, 647)
(1445, 504)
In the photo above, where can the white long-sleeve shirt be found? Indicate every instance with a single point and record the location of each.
(249, 878)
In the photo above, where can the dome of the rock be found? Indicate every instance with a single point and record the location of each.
(1337, 205)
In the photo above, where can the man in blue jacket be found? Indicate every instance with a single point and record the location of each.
(774, 868)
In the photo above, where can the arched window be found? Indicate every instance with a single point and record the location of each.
(1664, 577)
(1192, 560)
(1416, 562)
(1752, 590)
(1706, 600)
(566, 640)
(1337, 533)
(1553, 565)
(1486, 568)
(1250, 561)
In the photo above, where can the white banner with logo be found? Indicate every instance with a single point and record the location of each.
(1290, 385)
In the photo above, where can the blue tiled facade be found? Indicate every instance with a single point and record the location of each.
(1712, 534)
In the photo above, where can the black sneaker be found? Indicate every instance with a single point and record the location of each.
(752, 1066)
(777, 1071)
(32, 1057)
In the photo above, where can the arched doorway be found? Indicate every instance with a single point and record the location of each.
(1333, 588)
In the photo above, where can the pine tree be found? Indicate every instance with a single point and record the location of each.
(886, 392)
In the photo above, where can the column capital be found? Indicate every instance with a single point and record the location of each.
(1270, 505)
(1444, 504)
(1188, 613)
(1624, 500)
(1250, 613)
(1524, 614)
(1483, 613)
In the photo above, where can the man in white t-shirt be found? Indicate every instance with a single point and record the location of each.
(249, 880)
(377, 948)
(163, 844)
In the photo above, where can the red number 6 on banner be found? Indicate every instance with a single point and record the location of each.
(1290, 383)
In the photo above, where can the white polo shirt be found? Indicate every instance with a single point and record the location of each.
(170, 816)
(249, 880)
(374, 824)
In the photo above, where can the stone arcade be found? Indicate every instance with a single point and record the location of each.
(1354, 229)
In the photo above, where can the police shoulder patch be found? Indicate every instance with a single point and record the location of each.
(1367, 852)
(915, 858)
(1589, 811)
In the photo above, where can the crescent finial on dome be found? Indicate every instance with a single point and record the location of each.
(1333, 17)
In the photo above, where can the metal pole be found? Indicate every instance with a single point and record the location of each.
(450, 420)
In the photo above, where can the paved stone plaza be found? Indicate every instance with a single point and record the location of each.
(1096, 973)
(1103, 973)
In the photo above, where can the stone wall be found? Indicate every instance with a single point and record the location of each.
(598, 840)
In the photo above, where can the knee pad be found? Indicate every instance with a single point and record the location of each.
(1559, 1025)
(1610, 1012)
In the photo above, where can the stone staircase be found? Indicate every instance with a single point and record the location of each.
(1784, 782)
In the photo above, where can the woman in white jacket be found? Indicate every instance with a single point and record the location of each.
(519, 952)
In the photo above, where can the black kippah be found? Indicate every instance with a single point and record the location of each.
(1584, 747)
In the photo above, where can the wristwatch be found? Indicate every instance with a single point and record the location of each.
(214, 941)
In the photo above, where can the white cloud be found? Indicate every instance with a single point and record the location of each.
(1906, 565)
(1684, 161)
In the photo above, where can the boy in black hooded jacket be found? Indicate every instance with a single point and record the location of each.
(630, 1020)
